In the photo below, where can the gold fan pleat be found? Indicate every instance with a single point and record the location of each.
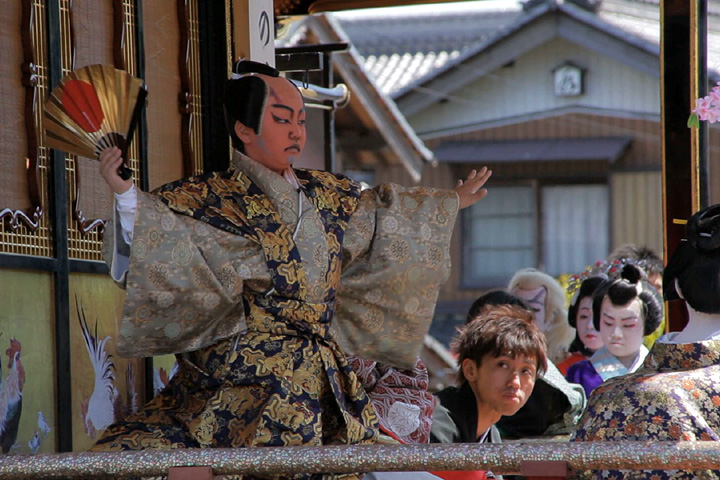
(118, 93)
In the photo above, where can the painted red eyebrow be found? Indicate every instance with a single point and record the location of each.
(283, 106)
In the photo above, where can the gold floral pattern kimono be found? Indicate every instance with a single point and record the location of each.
(263, 296)
(673, 397)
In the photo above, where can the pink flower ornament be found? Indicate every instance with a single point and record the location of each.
(707, 109)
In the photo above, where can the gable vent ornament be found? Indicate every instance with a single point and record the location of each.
(568, 80)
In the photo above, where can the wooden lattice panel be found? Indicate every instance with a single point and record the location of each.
(24, 226)
(84, 229)
(89, 200)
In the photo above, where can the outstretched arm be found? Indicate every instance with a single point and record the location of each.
(470, 190)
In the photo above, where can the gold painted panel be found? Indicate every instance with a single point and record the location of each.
(105, 386)
(27, 353)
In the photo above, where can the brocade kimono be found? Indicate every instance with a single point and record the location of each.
(673, 397)
(602, 366)
(261, 290)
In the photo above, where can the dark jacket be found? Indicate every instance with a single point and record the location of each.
(455, 417)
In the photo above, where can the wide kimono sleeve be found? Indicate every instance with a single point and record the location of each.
(184, 281)
(396, 257)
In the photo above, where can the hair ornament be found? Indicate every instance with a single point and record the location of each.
(703, 229)
(631, 273)
(611, 269)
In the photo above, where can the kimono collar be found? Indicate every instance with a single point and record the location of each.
(277, 187)
(608, 366)
(266, 179)
(683, 356)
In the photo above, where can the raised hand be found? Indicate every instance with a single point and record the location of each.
(470, 190)
(110, 161)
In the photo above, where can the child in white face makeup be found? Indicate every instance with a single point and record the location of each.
(580, 316)
(265, 259)
(674, 395)
(624, 310)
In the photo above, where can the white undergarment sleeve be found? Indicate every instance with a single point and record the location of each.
(124, 215)
(126, 205)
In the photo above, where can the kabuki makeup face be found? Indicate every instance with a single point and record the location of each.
(535, 298)
(282, 133)
(621, 328)
(584, 323)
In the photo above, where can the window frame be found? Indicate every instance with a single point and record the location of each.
(465, 248)
(537, 185)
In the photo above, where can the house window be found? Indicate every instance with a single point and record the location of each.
(575, 221)
(499, 236)
(501, 233)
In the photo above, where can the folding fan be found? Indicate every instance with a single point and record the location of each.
(93, 108)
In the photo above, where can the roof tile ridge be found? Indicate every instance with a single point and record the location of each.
(477, 47)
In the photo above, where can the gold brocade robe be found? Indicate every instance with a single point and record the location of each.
(257, 295)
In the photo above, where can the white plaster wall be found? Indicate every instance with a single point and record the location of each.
(526, 88)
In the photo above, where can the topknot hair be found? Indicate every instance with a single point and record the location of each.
(630, 285)
(703, 229)
(695, 265)
(246, 97)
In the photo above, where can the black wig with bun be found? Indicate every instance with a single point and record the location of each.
(621, 291)
(587, 289)
(695, 264)
(245, 98)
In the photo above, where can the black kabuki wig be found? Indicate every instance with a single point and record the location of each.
(621, 291)
(246, 97)
(695, 264)
(587, 289)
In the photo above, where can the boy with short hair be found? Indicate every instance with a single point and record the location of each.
(500, 354)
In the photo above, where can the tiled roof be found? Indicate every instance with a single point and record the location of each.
(400, 46)
(389, 122)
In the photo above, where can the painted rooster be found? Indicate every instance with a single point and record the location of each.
(11, 397)
(105, 405)
(98, 411)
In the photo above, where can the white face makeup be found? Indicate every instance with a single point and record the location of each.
(621, 328)
(282, 135)
(584, 323)
(536, 298)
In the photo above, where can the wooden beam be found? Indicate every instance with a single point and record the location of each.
(682, 80)
(61, 282)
